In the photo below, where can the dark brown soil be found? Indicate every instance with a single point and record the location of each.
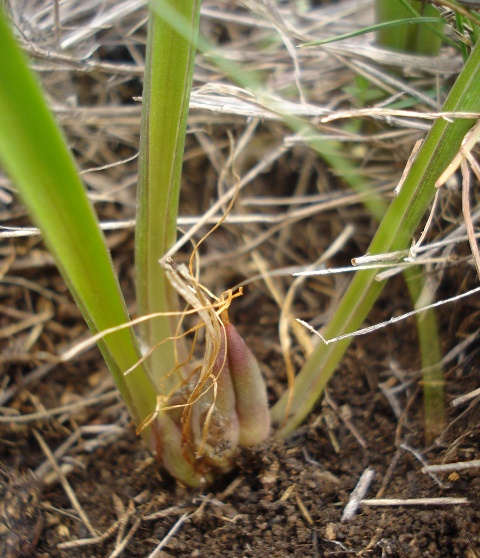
(285, 499)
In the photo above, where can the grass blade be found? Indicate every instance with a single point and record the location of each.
(35, 155)
(168, 81)
(378, 27)
(394, 233)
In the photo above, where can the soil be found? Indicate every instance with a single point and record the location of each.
(286, 498)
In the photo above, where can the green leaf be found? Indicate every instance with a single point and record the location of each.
(377, 27)
(394, 233)
(166, 95)
(35, 155)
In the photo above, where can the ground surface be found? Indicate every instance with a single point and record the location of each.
(101, 494)
(285, 499)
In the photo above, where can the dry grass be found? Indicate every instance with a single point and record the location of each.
(91, 60)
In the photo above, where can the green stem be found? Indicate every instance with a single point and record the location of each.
(431, 353)
(166, 94)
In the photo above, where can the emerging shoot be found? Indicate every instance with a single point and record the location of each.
(223, 401)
